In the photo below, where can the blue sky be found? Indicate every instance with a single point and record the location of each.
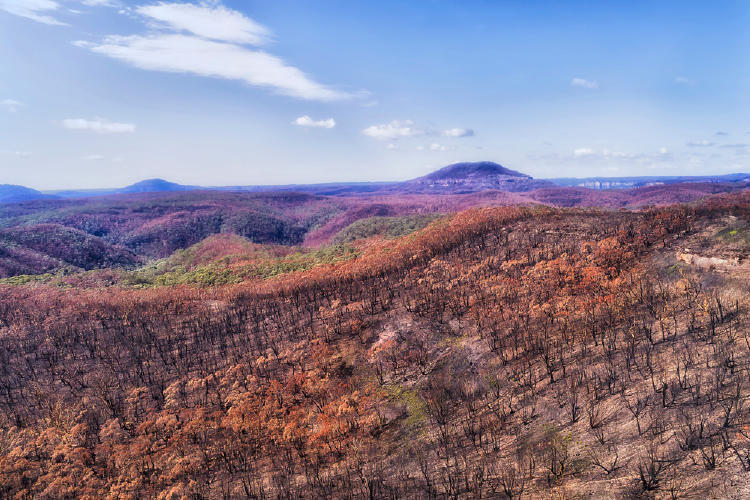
(101, 93)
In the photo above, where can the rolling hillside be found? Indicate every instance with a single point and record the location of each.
(498, 352)
(156, 218)
(42, 248)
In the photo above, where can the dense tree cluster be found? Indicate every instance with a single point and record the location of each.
(498, 352)
(45, 236)
(41, 248)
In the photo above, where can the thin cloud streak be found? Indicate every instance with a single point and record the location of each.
(188, 54)
(36, 10)
(216, 23)
(99, 125)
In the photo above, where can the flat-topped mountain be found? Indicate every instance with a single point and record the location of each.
(467, 177)
(155, 185)
(465, 170)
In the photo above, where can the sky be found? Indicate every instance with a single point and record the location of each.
(103, 93)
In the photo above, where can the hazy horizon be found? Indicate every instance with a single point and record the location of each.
(104, 187)
(103, 93)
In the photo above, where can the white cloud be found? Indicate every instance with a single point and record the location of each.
(208, 39)
(458, 132)
(190, 54)
(98, 125)
(700, 144)
(93, 157)
(583, 83)
(98, 3)
(682, 80)
(215, 22)
(36, 10)
(391, 146)
(11, 105)
(306, 121)
(438, 147)
(393, 130)
(608, 158)
(583, 152)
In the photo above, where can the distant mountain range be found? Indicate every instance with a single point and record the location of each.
(458, 178)
(151, 219)
(631, 182)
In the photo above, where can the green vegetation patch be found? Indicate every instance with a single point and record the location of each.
(389, 227)
(163, 273)
(181, 269)
(675, 269)
(735, 233)
(25, 279)
(416, 409)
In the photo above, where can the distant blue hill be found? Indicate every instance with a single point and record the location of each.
(145, 186)
(155, 185)
(11, 193)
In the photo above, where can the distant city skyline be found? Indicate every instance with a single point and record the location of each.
(104, 93)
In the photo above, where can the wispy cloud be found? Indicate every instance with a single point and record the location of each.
(583, 83)
(36, 10)
(210, 40)
(607, 158)
(394, 130)
(188, 54)
(578, 152)
(458, 132)
(306, 121)
(608, 154)
(438, 147)
(98, 125)
(683, 80)
(100, 3)
(11, 105)
(217, 22)
(700, 144)
(93, 157)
